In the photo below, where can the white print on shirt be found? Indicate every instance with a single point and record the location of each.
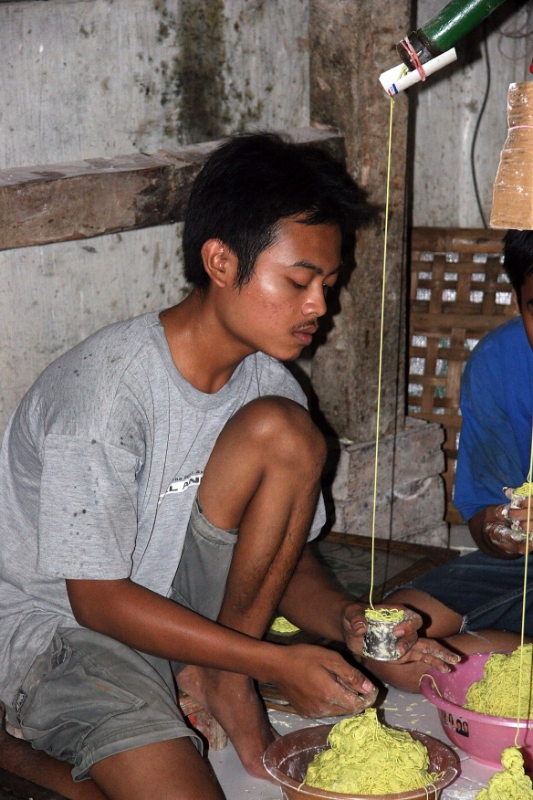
(181, 484)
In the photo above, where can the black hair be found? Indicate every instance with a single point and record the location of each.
(518, 258)
(248, 185)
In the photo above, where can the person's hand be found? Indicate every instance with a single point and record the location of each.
(319, 682)
(411, 647)
(498, 522)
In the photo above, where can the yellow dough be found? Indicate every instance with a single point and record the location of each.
(367, 757)
(384, 614)
(512, 783)
(497, 692)
(282, 625)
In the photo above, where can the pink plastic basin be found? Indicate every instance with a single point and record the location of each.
(482, 736)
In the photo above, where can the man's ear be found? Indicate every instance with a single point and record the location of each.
(516, 305)
(220, 262)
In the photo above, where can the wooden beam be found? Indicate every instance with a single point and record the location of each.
(60, 202)
(457, 240)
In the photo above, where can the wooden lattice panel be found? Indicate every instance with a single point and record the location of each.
(459, 292)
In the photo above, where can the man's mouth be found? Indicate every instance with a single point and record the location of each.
(305, 335)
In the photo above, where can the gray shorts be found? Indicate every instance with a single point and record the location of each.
(88, 696)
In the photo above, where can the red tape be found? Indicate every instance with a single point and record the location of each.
(413, 55)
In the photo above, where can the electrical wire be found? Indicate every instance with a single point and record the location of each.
(476, 129)
(523, 32)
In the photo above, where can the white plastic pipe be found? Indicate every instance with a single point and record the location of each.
(398, 78)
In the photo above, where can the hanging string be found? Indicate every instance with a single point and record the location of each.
(524, 593)
(380, 368)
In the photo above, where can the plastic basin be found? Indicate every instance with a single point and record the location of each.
(286, 761)
(482, 736)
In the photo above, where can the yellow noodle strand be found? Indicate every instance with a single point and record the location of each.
(384, 614)
(512, 783)
(381, 338)
(524, 592)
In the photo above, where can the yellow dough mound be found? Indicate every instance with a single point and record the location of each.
(367, 757)
(526, 490)
(384, 614)
(282, 625)
(497, 692)
(512, 783)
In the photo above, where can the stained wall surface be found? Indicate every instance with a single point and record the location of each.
(96, 78)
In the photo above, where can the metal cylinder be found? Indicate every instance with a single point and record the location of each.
(447, 28)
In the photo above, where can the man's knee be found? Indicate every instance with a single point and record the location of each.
(283, 429)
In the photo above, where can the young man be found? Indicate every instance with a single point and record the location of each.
(113, 567)
(475, 602)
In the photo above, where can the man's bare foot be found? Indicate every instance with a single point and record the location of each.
(233, 700)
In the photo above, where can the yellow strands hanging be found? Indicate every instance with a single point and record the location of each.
(380, 369)
(524, 593)
(512, 783)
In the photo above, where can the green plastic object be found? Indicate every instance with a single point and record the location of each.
(454, 22)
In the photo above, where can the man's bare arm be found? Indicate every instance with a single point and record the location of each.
(315, 680)
(152, 624)
(314, 604)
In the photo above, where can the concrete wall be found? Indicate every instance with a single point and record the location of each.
(410, 501)
(93, 78)
(447, 108)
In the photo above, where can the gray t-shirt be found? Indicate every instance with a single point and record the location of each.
(98, 472)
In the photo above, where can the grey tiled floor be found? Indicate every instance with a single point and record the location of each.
(350, 566)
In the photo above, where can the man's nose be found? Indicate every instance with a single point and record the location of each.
(316, 302)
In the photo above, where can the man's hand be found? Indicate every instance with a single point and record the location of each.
(498, 521)
(319, 682)
(412, 648)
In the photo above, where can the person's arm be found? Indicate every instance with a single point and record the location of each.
(315, 680)
(494, 394)
(155, 625)
(314, 604)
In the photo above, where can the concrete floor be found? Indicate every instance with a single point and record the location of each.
(400, 709)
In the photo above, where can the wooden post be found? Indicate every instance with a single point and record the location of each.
(351, 44)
